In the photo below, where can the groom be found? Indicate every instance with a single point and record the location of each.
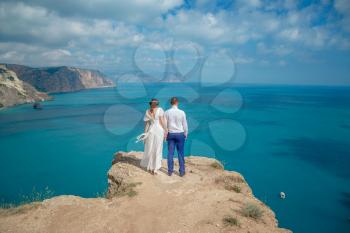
(177, 133)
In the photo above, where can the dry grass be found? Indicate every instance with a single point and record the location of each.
(132, 193)
(230, 221)
(234, 188)
(123, 189)
(230, 182)
(229, 179)
(252, 211)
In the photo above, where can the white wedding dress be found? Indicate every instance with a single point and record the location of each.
(153, 139)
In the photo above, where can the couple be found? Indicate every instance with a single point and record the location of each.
(172, 126)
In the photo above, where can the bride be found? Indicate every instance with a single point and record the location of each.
(155, 129)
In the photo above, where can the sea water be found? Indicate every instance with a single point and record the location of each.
(295, 139)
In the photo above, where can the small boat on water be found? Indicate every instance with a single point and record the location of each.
(37, 106)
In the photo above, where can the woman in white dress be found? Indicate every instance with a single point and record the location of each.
(155, 129)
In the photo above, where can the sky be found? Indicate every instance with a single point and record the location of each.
(269, 42)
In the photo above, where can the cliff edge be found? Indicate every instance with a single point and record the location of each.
(208, 199)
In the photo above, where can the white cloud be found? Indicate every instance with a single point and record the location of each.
(343, 7)
(25, 23)
(290, 34)
(12, 57)
(249, 3)
(56, 54)
(282, 63)
(201, 27)
(251, 22)
(222, 27)
(38, 25)
(280, 50)
(244, 25)
(243, 60)
(92, 32)
(281, 5)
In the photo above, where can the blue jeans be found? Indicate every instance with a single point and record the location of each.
(176, 140)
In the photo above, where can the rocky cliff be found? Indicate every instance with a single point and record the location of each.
(61, 79)
(207, 199)
(14, 91)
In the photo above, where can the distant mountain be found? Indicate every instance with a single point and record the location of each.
(61, 79)
(14, 91)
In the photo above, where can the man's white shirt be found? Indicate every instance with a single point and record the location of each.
(176, 120)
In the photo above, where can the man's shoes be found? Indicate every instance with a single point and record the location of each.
(170, 173)
(182, 174)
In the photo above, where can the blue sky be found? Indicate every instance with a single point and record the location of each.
(279, 42)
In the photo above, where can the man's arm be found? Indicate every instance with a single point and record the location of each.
(184, 124)
(166, 119)
(165, 124)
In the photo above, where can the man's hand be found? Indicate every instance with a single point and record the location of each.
(165, 134)
(186, 135)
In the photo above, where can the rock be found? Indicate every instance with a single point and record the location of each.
(14, 91)
(61, 79)
(140, 202)
(282, 195)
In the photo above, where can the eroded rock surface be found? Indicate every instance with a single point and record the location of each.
(14, 91)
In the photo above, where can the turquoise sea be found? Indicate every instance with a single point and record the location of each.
(280, 138)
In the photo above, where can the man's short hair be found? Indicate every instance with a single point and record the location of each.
(173, 100)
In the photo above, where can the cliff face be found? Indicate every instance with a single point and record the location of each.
(61, 79)
(14, 91)
(207, 199)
